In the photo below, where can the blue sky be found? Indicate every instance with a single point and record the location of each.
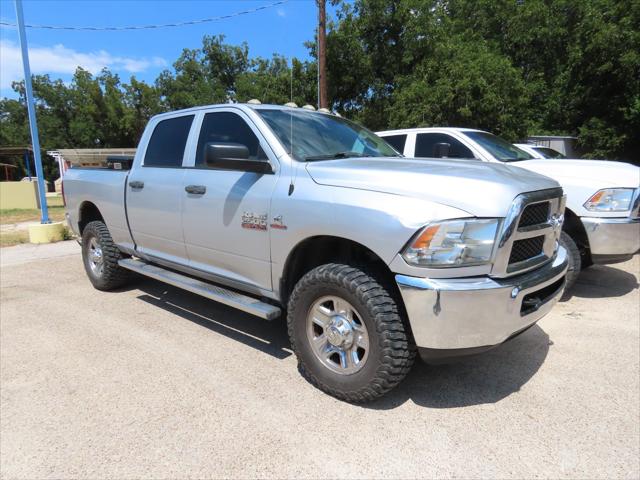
(281, 29)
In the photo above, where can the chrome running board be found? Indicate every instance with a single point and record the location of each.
(213, 292)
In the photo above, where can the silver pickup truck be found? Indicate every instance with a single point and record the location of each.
(373, 257)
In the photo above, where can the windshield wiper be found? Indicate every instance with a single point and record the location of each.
(333, 156)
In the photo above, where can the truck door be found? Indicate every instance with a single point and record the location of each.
(226, 213)
(154, 192)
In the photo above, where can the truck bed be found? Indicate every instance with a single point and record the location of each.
(101, 187)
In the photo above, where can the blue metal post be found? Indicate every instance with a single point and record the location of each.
(35, 142)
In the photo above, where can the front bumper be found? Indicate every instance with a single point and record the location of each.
(615, 238)
(450, 317)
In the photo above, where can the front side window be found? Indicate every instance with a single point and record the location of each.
(167, 143)
(500, 149)
(310, 136)
(227, 127)
(426, 146)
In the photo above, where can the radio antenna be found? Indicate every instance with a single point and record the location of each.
(292, 185)
(291, 100)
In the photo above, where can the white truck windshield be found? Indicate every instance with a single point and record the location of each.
(500, 149)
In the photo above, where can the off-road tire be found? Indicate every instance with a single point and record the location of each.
(113, 275)
(575, 259)
(392, 351)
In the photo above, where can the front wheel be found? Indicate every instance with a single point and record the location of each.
(574, 257)
(347, 333)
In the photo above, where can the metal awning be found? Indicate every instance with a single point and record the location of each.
(15, 150)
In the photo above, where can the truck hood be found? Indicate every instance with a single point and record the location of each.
(480, 189)
(603, 173)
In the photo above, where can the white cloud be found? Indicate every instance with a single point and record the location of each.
(281, 12)
(59, 59)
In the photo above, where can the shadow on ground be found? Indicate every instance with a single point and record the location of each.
(485, 378)
(602, 281)
(269, 337)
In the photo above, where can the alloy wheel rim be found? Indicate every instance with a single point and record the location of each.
(337, 335)
(95, 257)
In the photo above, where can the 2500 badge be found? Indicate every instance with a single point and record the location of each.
(254, 221)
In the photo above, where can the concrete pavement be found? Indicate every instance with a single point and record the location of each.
(153, 382)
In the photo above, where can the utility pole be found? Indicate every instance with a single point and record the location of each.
(35, 142)
(322, 55)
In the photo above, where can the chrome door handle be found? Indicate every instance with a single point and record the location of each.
(195, 189)
(136, 184)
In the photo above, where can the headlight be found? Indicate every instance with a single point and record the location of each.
(453, 243)
(610, 200)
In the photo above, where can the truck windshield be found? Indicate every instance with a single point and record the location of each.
(499, 148)
(310, 136)
(547, 152)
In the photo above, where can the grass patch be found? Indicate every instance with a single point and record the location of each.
(8, 239)
(55, 201)
(12, 236)
(15, 215)
(17, 237)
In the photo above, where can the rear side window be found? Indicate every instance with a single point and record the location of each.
(227, 127)
(169, 138)
(396, 141)
(426, 145)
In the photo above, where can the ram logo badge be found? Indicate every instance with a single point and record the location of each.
(278, 223)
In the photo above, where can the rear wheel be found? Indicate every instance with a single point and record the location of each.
(347, 334)
(100, 257)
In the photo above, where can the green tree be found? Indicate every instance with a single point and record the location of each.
(462, 84)
(513, 67)
(142, 101)
(220, 73)
(100, 111)
(580, 62)
(90, 112)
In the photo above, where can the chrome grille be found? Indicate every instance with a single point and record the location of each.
(530, 232)
(534, 214)
(525, 249)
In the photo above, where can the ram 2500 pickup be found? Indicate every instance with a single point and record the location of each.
(602, 218)
(373, 257)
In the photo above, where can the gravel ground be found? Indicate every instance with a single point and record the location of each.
(152, 382)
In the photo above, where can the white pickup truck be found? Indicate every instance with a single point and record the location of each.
(540, 151)
(374, 257)
(602, 223)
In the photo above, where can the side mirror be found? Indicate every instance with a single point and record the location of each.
(441, 150)
(233, 156)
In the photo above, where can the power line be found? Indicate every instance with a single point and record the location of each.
(150, 27)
